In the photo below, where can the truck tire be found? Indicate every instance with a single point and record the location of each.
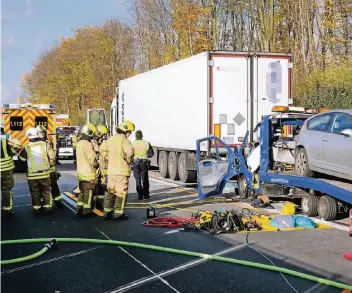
(327, 208)
(185, 175)
(309, 205)
(301, 163)
(173, 166)
(163, 162)
(242, 186)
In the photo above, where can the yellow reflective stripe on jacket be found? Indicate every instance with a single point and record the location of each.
(39, 175)
(140, 147)
(86, 177)
(34, 166)
(6, 163)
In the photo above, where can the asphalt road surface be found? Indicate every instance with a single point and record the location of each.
(92, 268)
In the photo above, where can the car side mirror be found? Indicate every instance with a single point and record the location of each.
(347, 132)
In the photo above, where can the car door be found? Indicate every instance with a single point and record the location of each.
(337, 148)
(312, 137)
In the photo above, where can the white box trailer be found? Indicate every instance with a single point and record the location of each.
(221, 93)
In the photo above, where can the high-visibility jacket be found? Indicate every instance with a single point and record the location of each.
(141, 148)
(119, 153)
(86, 161)
(6, 161)
(103, 160)
(52, 155)
(38, 162)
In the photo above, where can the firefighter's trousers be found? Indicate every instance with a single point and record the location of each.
(7, 183)
(140, 173)
(99, 192)
(116, 197)
(41, 194)
(85, 197)
(55, 191)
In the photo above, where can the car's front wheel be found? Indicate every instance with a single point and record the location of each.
(301, 163)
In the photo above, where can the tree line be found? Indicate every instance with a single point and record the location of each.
(82, 71)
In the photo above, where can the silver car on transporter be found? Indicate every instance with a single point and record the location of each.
(324, 145)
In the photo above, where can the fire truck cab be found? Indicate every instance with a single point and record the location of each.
(18, 118)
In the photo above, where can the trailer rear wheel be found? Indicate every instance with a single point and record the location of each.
(309, 205)
(163, 162)
(173, 166)
(327, 208)
(186, 176)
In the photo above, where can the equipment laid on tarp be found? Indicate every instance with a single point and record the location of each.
(289, 221)
(222, 221)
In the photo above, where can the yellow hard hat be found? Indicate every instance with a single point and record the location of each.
(288, 209)
(89, 129)
(101, 130)
(127, 126)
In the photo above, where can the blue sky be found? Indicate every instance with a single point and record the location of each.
(30, 26)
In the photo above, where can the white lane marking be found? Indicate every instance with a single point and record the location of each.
(171, 198)
(22, 195)
(22, 205)
(48, 261)
(166, 183)
(314, 288)
(177, 269)
(142, 264)
(172, 231)
(334, 225)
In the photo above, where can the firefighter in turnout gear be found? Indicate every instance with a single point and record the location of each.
(9, 148)
(101, 140)
(142, 152)
(118, 152)
(39, 156)
(87, 165)
(55, 191)
(75, 140)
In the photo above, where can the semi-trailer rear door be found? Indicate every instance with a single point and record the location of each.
(229, 103)
(271, 83)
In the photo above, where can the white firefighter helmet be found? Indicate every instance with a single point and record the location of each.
(32, 133)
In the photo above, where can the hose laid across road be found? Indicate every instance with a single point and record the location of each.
(165, 249)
